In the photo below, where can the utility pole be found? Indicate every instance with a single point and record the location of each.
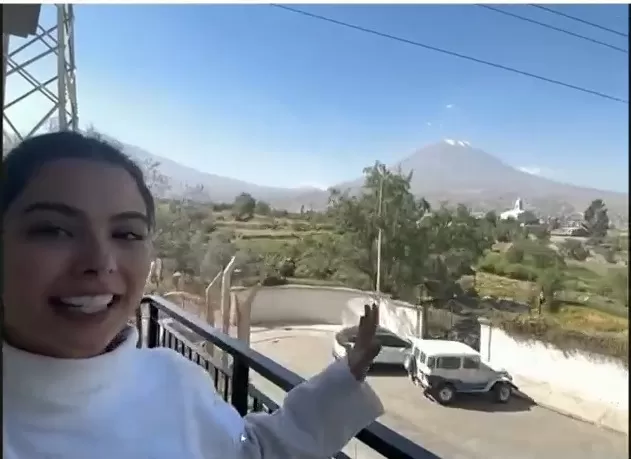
(379, 235)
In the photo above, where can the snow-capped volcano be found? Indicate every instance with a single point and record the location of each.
(461, 143)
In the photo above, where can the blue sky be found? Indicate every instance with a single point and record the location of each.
(264, 95)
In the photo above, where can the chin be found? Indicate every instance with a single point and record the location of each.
(86, 344)
(84, 350)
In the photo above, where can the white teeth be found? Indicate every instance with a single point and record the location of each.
(89, 304)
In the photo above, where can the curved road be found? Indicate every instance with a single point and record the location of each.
(473, 429)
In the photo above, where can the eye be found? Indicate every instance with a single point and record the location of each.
(49, 231)
(129, 236)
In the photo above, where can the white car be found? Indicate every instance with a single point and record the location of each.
(394, 349)
(446, 368)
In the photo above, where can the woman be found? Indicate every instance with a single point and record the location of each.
(78, 222)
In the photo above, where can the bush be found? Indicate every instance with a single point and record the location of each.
(542, 256)
(503, 235)
(541, 232)
(618, 280)
(492, 263)
(287, 268)
(496, 263)
(551, 281)
(467, 284)
(272, 280)
(519, 272)
(542, 328)
(298, 226)
(573, 249)
(515, 254)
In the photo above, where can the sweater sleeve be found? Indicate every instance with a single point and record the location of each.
(317, 419)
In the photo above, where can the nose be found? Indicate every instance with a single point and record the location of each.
(97, 257)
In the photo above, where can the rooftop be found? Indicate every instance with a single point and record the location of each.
(444, 347)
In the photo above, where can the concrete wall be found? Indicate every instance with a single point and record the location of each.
(588, 377)
(303, 304)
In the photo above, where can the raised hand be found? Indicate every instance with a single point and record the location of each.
(366, 347)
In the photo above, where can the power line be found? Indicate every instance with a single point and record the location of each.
(574, 18)
(558, 29)
(451, 53)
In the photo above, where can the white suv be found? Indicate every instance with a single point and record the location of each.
(446, 368)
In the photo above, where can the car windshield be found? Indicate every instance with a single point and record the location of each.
(385, 337)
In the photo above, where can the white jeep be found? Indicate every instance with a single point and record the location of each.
(446, 368)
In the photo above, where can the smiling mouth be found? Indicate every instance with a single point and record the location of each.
(85, 304)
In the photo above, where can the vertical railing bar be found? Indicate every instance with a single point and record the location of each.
(240, 385)
(153, 328)
(163, 337)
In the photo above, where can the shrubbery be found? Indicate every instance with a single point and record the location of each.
(547, 330)
(573, 249)
(498, 264)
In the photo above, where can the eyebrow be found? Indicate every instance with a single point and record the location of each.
(70, 211)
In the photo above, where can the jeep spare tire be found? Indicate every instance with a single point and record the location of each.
(444, 394)
(502, 392)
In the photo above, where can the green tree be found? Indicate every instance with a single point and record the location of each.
(550, 282)
(491, 217)
(596, 220)
(244, 206)
(359, 219)
(419, 247)
(262, 208)
(215, 254)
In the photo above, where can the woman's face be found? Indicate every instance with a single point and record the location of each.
(76, 257)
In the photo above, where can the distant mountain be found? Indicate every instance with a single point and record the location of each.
(183, 180)
(455, 171)
(450, 171)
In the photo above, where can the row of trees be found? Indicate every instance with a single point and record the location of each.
(424, 251)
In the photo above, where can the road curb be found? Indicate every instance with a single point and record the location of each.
(568, 414)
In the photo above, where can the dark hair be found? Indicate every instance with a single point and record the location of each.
(24, 161)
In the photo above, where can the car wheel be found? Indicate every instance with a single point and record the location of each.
(502, 392)
(444, 394)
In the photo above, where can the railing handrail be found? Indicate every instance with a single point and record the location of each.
(376, 436)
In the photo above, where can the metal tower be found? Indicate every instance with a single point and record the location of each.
(39, 75)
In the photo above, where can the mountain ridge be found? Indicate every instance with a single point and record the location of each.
(449, 170)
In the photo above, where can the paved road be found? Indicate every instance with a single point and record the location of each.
(473, 429)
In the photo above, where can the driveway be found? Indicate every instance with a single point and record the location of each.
(472, 429)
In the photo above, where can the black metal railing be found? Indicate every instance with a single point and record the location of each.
(167, 325)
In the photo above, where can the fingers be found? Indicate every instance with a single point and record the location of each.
(368, 324)
(375, 310)
(371, 315)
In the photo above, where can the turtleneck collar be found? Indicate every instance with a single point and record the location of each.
(56, 381)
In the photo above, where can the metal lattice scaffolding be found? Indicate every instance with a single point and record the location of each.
(56, 89)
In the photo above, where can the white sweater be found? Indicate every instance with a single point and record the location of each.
(154, 404)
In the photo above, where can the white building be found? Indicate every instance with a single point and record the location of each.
(518, 214)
